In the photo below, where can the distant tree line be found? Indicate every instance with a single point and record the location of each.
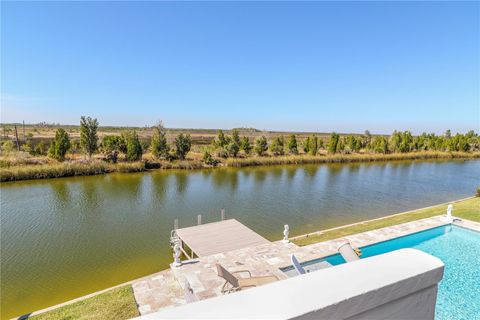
(111, 146)
(132, 148)
(130, 145)
(398, 142)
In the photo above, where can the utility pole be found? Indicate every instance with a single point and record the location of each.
(23, 123)
(16, 138)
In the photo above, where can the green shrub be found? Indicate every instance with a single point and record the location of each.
(111, 146)
(333, 143)
(60, 145)
(221, 141)
(40, 149)
(277, 146)
(134, 148)
(478, 192)
(208, 159)
(246, 146)
(222, 153)
(28, 147)
(183, 144)
(159, 145)
(75, 146)
(261, 146)
(306, 145)
(292, 145)
(88, 135)
(7, 146)
(313, 145)
(233, 148)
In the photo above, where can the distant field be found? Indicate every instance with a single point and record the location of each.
(199, 136)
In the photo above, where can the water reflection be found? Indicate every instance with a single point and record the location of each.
(121, 186)
(90, 196)
(291, 172)
(260, 175)
(159, 186)
(61, 194)
(181, 183)
(225, 178)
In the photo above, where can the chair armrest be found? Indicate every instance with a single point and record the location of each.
(240, 271)
(248, 286)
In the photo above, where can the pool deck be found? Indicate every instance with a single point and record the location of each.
(164, 289)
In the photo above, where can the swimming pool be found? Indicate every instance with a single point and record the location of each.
(459, 248)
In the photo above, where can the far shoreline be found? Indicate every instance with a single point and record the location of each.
(99, 167)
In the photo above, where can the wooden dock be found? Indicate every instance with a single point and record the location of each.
(218, 237)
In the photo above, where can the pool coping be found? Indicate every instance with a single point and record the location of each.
(319, 232)
(468, 224)
(459, 223)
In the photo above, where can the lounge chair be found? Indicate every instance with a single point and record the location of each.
(237, 283)
(348, 253)
(298, 267)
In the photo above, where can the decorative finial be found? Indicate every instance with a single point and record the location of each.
(286, 231)
(449, 217)
(176, 255)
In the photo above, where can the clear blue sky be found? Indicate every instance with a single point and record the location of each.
(280, 66)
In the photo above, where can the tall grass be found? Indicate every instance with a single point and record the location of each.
(66, 169)
(341, 158)
(23, 170)
(182, 164)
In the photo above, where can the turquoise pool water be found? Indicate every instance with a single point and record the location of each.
(459, 248)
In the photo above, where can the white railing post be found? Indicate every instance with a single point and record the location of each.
(286, 231)
(175, 224)
(222, 214)
(199, 219)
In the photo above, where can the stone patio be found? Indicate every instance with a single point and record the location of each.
(164, 289)
(160, 290)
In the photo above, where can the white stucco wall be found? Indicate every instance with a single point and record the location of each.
(396, 285)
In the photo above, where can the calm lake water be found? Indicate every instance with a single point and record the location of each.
(63, 238)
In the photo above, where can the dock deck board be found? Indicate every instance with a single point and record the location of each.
(218, 237)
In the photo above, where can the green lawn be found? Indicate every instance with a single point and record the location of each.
(467, 209)
(115, 304)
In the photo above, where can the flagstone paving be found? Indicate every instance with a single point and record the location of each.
(165, 289)
(160, 290)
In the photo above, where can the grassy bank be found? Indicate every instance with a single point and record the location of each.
(66, 169)
(14, 170)
(88, 168)
(345, 158)
(467, 209)
(115, 304)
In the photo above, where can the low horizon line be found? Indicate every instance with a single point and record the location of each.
(230, 129)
